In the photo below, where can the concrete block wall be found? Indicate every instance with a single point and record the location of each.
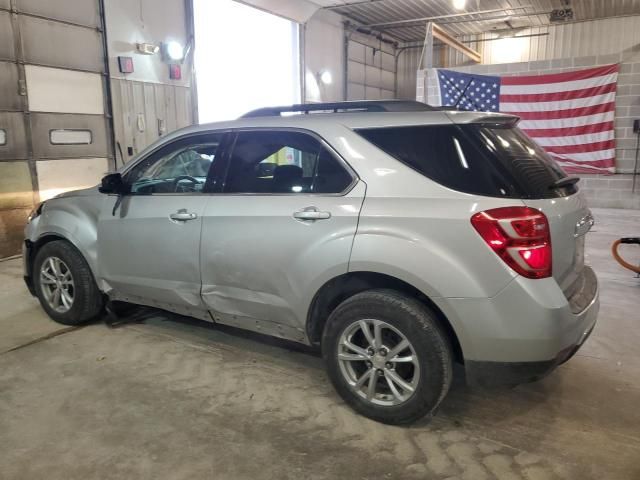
(611, 191)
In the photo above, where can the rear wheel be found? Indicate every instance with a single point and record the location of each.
(387, 356)
(64, 284)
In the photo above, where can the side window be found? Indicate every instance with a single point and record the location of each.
(283, 162)
(179, 167)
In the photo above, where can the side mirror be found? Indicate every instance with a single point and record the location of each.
(113, 183)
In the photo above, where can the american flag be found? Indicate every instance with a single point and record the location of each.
(571, 114)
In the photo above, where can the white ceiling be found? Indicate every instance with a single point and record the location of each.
(535, 13)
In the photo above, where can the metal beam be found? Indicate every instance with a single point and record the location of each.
(345, 5)
(448, 39)
(441, 17)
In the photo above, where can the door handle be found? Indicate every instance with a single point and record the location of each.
(183, 216)
(311, 213)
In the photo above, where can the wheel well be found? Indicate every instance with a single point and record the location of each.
(33, 247)
(338, 289)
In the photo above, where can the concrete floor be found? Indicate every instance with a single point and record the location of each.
(171, 398)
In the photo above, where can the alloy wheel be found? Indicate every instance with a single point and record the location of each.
(57, 284)
(378, 362)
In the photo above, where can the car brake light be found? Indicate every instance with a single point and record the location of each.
(520, 236)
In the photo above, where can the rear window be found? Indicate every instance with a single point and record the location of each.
(489, 160)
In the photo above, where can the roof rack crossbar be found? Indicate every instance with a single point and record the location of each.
(336, 107)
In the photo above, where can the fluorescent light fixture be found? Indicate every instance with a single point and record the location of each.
(459, 4)
(326, 77)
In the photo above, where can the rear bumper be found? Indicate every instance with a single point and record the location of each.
(525, 331)
(488, 374)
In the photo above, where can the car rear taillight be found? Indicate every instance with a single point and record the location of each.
(520, 236)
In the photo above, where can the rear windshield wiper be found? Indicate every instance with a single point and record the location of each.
(564, 182)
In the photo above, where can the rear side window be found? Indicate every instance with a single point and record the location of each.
(283, 162)
(485, 160)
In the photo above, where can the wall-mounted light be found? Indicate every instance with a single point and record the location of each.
(172, 51)
(147, 48)
(459, 4)
(325, 77)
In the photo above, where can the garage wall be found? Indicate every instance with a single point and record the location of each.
(323, 40)
(147, 103)
(54, 127)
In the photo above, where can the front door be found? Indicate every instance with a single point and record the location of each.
(149, 243)
(282, 226)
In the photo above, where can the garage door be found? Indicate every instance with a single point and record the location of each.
(54, 131)
(371, 68)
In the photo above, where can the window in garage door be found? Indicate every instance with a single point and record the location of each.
(246, 58)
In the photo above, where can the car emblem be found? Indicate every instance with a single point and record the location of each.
(584, 225)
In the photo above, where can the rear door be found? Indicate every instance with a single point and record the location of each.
(282, 225)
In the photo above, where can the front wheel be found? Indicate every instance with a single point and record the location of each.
(387, 356)
(64, 284)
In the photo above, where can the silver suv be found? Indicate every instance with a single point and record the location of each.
(398, 237)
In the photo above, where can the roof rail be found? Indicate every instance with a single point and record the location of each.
(344, 107)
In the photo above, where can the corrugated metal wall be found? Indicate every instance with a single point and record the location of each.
(580, 39)
(599, 37)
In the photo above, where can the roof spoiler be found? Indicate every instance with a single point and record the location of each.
(346, 107)
(495, 119)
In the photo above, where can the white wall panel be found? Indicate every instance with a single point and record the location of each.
(355, 91)
(324, 50)
(64, 91)
(372, 93)
(57, 176)
(356, 72)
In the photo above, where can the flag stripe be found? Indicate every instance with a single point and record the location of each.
(557, 96)
(569, 140)
(587, 156)
(586, 74)
(595, 163)
(569, 131)
(577, 168)
(583, 147)
(558, 87)
(567, 122)
(567, 113)
(556, 104)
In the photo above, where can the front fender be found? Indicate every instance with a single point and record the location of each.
(74, 219)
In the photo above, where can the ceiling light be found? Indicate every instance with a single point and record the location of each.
(173, 50)
(326, 77)
(459, 4)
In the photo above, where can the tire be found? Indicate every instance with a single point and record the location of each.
(404, 317)
(87, 301)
